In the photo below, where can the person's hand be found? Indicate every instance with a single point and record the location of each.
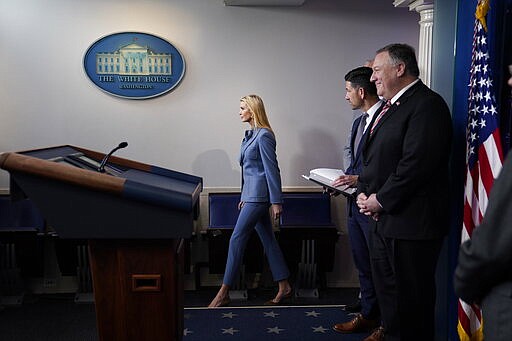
(277, 209)
(360, 198)
(369, 205)
(346, 180)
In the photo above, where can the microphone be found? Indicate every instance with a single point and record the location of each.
(101, 168)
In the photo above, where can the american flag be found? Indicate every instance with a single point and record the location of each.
(484, 161)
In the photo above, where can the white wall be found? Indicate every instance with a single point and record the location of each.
(294, 57)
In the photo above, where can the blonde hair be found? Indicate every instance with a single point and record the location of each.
(257, 108)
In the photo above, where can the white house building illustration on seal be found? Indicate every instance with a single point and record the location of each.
(133, 59)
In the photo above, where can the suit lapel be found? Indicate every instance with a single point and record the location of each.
(247, 142)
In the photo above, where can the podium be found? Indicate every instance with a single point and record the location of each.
(134, 216)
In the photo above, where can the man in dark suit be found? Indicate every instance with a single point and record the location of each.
(361, 95)
(484, 273)
(403, 187)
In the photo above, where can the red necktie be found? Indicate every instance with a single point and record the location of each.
(379, 116)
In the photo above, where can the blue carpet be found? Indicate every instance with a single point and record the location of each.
(266, 323)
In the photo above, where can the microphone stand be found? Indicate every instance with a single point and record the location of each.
(101, 168)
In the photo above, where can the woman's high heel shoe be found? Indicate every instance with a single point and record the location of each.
(285, 298)
(224, 302)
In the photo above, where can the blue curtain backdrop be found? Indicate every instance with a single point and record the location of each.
(499, 24)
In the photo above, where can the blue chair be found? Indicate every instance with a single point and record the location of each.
(307, 237)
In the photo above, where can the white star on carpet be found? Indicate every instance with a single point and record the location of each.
(186, 332)
(319, 329)
(270, 314)
(229, 315)
(231, 331)
(275, 330)
(312, 313)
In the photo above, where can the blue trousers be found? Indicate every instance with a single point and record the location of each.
(254, 215)
(359, 236)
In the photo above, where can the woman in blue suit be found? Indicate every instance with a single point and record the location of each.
(261, 188)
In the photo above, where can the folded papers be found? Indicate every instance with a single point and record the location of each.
(326, 176)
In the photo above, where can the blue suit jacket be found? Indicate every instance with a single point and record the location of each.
(261, 179)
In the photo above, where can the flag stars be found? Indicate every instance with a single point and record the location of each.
(473, 124)
(482, 123)
(274, 330)
(472, 137)
(471, 150)
(487, 96)
(186, 331)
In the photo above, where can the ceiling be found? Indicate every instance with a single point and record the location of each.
(263, 2)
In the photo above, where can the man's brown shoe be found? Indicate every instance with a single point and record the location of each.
(377, 335)
(358, 325)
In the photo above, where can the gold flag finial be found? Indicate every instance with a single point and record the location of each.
(481, 11)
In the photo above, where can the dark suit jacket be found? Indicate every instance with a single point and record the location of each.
(355, 160)
(486, 259)
(356, 164)
(405, 162)
(484, 271)
(261, 178)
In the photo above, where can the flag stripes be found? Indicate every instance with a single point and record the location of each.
(484, 162)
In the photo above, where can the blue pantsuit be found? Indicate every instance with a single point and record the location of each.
(254, 216)
(261, 187)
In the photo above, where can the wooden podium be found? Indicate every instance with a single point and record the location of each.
(135, 217)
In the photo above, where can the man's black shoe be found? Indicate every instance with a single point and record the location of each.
(353, 308)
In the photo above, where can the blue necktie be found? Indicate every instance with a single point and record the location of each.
(360, 130)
